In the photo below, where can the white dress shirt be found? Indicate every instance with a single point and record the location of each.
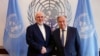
(42, 29)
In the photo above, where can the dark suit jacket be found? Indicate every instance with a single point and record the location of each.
(35, 40)
(72, 46)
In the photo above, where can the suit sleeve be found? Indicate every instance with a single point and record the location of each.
(49, 48)
(30, 41)
(78, 44)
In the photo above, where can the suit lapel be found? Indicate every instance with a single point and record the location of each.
(58, 37)
(38, 31)
(68, 35)
(46, 32)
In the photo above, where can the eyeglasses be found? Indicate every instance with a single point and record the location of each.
(40, 17)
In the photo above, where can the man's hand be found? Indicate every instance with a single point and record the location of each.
(43, 50)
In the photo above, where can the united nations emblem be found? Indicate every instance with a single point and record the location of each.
(51, 8)
(14, 27)
(84, 25)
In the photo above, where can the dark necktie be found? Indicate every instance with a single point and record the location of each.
(62, 37)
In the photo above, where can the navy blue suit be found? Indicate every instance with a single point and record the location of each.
(35, 40)
(72, 46)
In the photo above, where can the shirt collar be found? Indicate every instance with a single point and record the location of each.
(40, 25)
(64, 29)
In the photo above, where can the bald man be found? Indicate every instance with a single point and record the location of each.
(38, 37)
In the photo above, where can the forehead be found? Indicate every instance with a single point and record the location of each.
(61, 18)
(39, 14)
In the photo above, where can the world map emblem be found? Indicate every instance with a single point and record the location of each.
(85, 27)
(14, 27)
(51, 8)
